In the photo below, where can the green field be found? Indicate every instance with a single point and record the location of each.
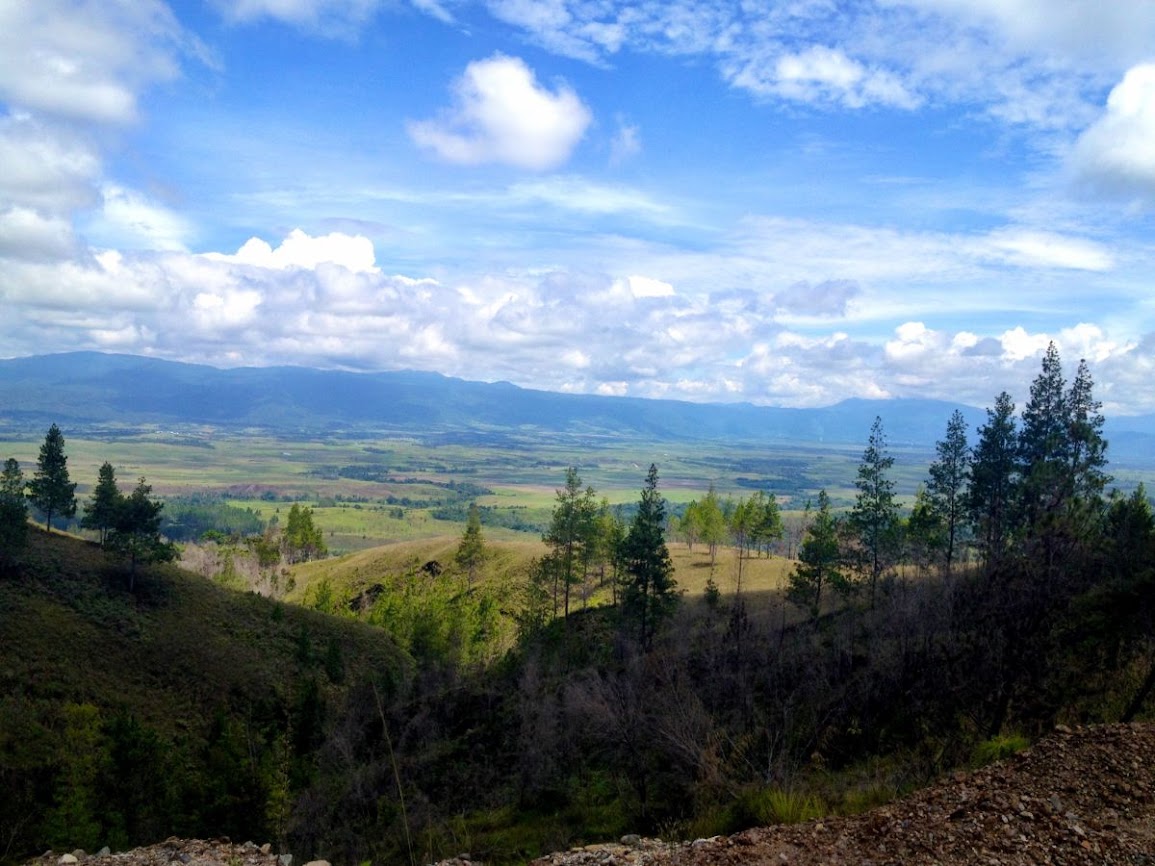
(376, 491)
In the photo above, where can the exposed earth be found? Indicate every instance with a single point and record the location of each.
(1083, 796)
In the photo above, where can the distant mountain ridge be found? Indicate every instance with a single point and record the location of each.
(92, 388)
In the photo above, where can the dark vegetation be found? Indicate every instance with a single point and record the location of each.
(1017, 593)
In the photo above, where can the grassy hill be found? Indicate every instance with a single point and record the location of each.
(179, 708)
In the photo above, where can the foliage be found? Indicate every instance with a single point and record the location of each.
(303, 540)
(471, 551)
(13, 510)
(650, 592)
(993, 493)
(51, 490)
(873, 520)
(100, 511)
(819, 561)
(135, 530)
(947, 487)
(188, 518)
(572, 538)
(998, 748)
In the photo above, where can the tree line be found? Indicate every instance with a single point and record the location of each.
(128, 524)
(1030, 494)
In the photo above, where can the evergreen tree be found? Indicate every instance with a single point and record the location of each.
(50, 490)
(13, 509)
(650, 593)
(946, 490)
(471, 551)
(135, 530)
(711, 522)
(303, 539)
(994, 483)
(819, 560)
(100, 510)
(1062, 455)
(926, 533)
(1087, 449)
(769, 525)
(874, 518)
(571, 531)
(1043, 447)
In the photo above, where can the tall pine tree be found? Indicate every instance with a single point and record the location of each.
(992, 498)
(947, 487)
(650, 593)
(100, 510)
(50, 490)
(874, 517)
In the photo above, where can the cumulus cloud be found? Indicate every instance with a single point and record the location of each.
(1116, 152)
(299, 250)
(26, 234)
(501, 114)
(85, 61)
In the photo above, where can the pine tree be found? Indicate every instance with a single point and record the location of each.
(135, 531)
(50, 490)
(819, 560)
(1087, 449)
(13, 509)
(994, 483)
(650, 593)
(471, 551)
(874, 518)
(946, 489)
(1044, 446)
(570, 533)
(100, 510)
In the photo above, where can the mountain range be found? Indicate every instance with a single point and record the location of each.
(97, 389)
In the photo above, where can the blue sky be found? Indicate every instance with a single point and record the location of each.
(788, 203)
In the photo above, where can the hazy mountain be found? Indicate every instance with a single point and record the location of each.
(88, 388)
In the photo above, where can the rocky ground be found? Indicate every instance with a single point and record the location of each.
(1085, 796)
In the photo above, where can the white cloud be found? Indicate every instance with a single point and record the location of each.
(578, 194)
(129, 220)
(299, 250)
(1034, 248)
(26, 234)
(821, 74)
(336, 17)
(648, 287)
(84, 61)
(501, 114)
(1117, 152)
(46, 166)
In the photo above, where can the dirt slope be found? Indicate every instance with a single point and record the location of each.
(1077, 797)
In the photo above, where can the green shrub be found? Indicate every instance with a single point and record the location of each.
(762, 806)
(998, 748)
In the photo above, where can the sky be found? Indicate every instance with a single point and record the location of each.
(787, 203)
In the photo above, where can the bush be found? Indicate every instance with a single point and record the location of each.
(998, 748)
